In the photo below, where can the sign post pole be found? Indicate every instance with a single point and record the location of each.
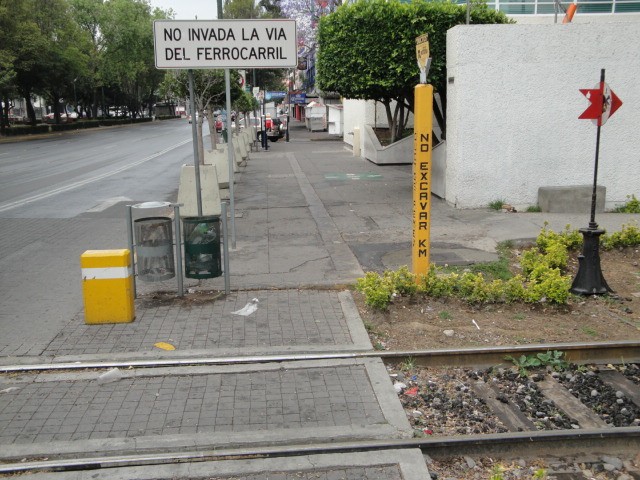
(194, 132)
(231, 160)
(589, 280)
(422, 144)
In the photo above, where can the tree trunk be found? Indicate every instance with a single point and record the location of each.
(213, 138)
(200, 143)
(440, 115)
(56, 108)
(94, 103)
(31, 113)
(390, 119)
(4, 112)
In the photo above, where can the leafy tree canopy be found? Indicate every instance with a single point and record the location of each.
(367, 50)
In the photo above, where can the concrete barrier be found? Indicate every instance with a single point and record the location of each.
(209, 188)
(240, 149)
(220, 160)
(571, 199)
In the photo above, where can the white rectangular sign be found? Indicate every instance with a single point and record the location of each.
(225, 43)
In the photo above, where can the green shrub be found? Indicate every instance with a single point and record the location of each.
(629, 236)
(547, 284)
(514, 289)
(376, 289)
(438, 285)
(543, 278)
(632, 205)
(556, 256)
(572, 239)
(529, 259)
(16, 130)
(472, 287)
(402, 281)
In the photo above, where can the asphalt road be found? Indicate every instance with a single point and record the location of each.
(63, 176)
(65, 194)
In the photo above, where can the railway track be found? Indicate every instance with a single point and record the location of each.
(519, 433)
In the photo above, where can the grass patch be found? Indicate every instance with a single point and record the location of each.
(444, 315)
(498, 270)
(497, 204)
(408, 365)
(589, 331)
(533, 209)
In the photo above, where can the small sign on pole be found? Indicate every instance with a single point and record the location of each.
(423, 56)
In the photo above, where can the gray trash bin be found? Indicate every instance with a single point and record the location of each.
(154, 248)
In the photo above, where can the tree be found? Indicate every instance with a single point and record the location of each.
(271, 8)
(240, 9)
(365, 54)
(267, 79)
(307, 14)
(245, 104)
(67, 52)
(127, 30)
(7, 59)
(88, 14)
(209, 95)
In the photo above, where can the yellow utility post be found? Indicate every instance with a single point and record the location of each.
(422, 144)
(107, 286)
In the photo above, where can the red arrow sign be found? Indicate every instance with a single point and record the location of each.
(604, 103)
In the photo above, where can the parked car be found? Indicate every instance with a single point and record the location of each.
(64, 117)
(275, 128)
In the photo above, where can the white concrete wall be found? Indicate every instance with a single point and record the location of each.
(358, 113)
(513, 107)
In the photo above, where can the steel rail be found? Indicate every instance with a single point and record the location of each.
(609, 352)
(618, 441)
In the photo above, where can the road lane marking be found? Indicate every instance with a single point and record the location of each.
(81, 183)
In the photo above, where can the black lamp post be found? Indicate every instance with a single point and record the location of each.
(589, 280)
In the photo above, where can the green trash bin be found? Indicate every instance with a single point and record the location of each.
(202, 247)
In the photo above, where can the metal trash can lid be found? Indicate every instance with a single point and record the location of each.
(152, 205)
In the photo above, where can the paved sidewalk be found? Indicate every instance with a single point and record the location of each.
(153, 410)
(286, 321)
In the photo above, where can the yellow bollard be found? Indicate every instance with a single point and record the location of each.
(107, 286)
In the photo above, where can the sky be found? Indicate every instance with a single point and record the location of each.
(189, 9)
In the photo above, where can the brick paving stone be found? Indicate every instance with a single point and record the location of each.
(284, 318)
(299, 398)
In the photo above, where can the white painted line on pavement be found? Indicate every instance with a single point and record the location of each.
(81, 183)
